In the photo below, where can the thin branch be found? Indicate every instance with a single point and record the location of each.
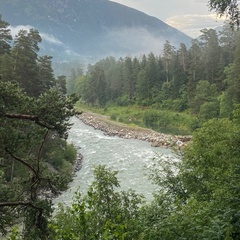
(40, 150)
(21, 116)
(34, 188)
(15, 204)
(52, 188)
(23, 162)
(33, 118)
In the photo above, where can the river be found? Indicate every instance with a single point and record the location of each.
(130, 157)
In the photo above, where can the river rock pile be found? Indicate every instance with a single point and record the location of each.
(78, 163)
(124, 131)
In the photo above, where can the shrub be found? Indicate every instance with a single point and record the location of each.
(70, 153)
(113, 116)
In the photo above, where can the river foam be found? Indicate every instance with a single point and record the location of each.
(131, 157)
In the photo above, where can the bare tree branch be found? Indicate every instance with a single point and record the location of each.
(23, 162)
(40, 150)
(15, 204)
(21, 116)
(33, 118)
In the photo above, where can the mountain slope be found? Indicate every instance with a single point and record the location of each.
(91, 27)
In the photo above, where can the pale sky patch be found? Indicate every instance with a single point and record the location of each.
(72, 53)
(192, 24)
(188, 16)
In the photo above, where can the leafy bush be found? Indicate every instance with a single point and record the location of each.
(70, 153)
(175, 105)
(150, 118)
(113, 116)
(209, 110)
(104, 213)
(122, 101)
(168, 122)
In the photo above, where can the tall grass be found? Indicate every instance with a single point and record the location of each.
(159, 120)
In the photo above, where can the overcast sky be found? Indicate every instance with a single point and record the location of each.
(188, 16)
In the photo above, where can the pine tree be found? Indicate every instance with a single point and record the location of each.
(45, 72)
(168, 51)
(5, 37)
(212, 53)
(25, 56)
(128, 79)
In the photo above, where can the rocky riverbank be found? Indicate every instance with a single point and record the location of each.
(112, 128)
(78, 163)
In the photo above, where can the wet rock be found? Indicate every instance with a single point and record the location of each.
(155, 144)
(78, 163)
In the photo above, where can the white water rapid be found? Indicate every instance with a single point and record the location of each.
(130, 157)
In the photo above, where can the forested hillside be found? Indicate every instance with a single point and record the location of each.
(90, 29)
(202, 81)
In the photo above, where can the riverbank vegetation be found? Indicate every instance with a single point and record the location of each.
(175, 92)
(163, 121)
(197, 197)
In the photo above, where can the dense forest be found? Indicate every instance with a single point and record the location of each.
(201, 81)
(197, 197)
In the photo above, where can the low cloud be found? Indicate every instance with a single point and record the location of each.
(45, 36)
(16, 29)
(72, 53)
(135, 41)
(192, 24)
(50, 39)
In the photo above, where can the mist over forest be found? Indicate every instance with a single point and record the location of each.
(90, 30)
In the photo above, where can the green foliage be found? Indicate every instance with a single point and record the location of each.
(159, 120)
(211, 163)
(5, 195)
(231, 96)
(205, 93)
(113, 116)
(212, 153)
(173, 81)
(70, 153)
(209, 110)
(198, 196)
(25, 67)
(229, 8)
(104, 213)
(150, 118)
(36, 221)
(27, 125)
(5, 37)
(35, 159)
(15, 234)
(165, 121)
(123, 101)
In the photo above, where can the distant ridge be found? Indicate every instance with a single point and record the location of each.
(91, 28)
